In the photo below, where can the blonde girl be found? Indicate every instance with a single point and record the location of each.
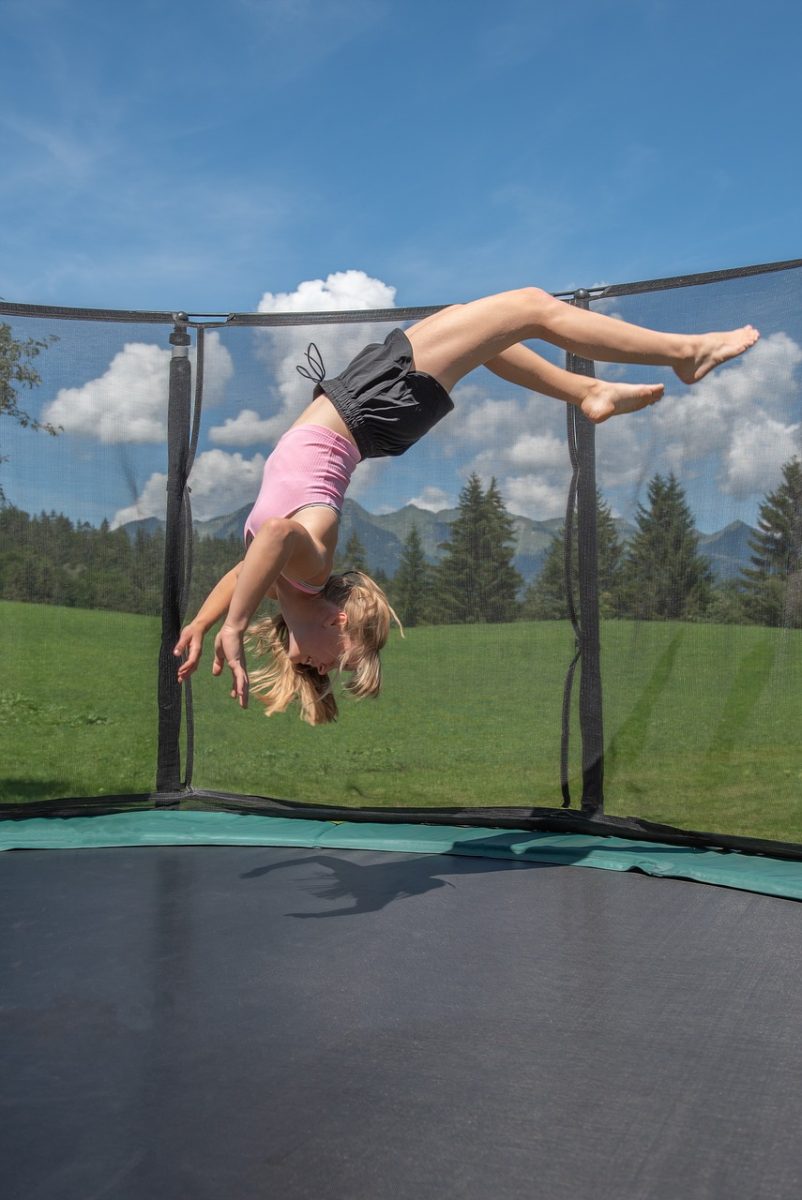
(388, 397)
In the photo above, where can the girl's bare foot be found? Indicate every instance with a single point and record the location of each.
(709, 350)
(605, 400)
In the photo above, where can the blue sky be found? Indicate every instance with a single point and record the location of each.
(214, 157)
(195, 156)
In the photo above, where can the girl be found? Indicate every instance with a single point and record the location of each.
(384, 401)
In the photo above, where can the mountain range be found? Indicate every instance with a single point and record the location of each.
(383, 536)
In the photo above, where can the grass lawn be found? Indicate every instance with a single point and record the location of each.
(77, 702)
(701, 722)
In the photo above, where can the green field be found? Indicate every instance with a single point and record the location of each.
(701, 722)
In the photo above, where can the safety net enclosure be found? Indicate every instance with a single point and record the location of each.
(245, 957)
(679, 568)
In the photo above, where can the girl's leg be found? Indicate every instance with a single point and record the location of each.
(597, 398)
(454, 341)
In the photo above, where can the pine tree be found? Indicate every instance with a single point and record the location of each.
(354, 557)
(412, 583)
(545, 599)
(456, 599)
(610, 561)
(665, 576)
(476, 580)
(773, 584)
(500, 581)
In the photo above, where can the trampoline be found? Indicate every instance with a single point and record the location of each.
(253, 1021)
(577, 977)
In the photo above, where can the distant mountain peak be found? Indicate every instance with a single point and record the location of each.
(383, 535)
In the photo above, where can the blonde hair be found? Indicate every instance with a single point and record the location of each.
(281, 681)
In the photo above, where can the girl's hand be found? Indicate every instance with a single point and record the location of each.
(191, 644)
(228, 648)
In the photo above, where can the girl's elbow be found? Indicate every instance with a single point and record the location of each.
(276, 529)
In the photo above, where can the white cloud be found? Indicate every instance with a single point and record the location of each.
(218, 369)
(151, 503)
(523, 447)
(738, 412)
(538, 452)
(220, 483)
(283, 349)
(432, 499)
(757, 449)
(519, 440)
(626, 448)
(491, 421)
(247, 429)
(128, 403)
(535, 497)
(340, 291)
(539, 457)
(484, 421)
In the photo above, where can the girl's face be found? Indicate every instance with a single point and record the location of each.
(319, 641)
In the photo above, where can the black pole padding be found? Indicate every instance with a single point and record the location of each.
(590, 688)
(570, 600)
(168, 771)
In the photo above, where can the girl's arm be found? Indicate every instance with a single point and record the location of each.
(213, 608)
(277, 543)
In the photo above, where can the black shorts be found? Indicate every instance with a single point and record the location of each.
(386, 405)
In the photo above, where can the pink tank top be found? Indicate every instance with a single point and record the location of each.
(309, 465)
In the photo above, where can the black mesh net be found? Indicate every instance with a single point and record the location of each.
(701, 634)
(697, 579)
(81, 576)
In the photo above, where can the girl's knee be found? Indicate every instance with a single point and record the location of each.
(535, 298)
(536, 308)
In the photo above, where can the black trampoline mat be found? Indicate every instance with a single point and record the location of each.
(247, 1022)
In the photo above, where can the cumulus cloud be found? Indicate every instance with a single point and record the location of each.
(537, 452)
(128, 403)
(282, 349)
(220, 484)
(755, 454)
(507, 438)
(534, 496)
(626, 450)
(532, 472)
(432, 499)
(221, 481)
(733, 426)
(246, 429)
(739, 413)
(483, 421)
(340, 291)
(218, 369)
(519, 441)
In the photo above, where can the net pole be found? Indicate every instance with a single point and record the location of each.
(590, 686)
(168, 771)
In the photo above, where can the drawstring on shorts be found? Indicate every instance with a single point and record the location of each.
(316, 372)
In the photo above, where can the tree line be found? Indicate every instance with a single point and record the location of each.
(658, 575)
